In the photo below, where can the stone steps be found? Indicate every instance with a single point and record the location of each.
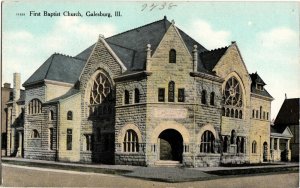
(165, 163)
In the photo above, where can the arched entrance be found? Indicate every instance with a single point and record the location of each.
(170, 145)
(265, 151)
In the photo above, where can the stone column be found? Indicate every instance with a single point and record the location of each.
(272, 149)
(13, 138)
(195, 58)
(278, 141)
(20, 148)
(287, 146)
(148, 64)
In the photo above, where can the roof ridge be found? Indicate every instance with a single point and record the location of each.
(213, 50)
(164, 19)
(52, 56)
(69, 56)
(121, 46)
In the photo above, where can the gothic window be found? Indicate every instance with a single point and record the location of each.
(126, 97)
(203, 97)
(136, 95)
(233, 93)
(254, 145)
(233, 137)
(253, 113)
(227, 112)
(100, 89)
(172, 56)
(51, 139)
(264, 115)
(236, 114)
(171, 90)
(232, 113)
(267, 115)
(161, 94)
(35, 134)
(223, 111)
(260, 112)
(51, 115)
(69, 115)
(257, 114)
(207, 142)
(131, 143)
(212, 98)
(69, 139)
(240, 114)
(181, 96)
(35, 106)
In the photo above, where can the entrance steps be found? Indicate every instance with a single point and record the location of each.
(165, 163)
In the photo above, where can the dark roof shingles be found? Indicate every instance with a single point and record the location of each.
(288, 113)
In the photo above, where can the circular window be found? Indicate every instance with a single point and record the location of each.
(233, 93)
(100, 89)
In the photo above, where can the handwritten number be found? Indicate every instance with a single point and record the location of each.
(158, 6)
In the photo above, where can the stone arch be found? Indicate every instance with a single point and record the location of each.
(122, 132)
(207, 127)
(170, 125)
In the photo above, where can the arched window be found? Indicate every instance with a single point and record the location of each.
(232, 113)
(257, 114)
(267, 115)
(236, 114)
(69, 115)
(241, 114)
(260, 112)
(227, 112)
(51, 115)
(100, 89)
(238, 144)
(35, 106)
(254, 145)
(264, 115)
(126, 97)
(253, 113)
(203, 97)
(233, 93)
(51, 140)
(212, 98)
(207, 142)
(223, 111)
(233, 137)
(172, 56)
(136, 95)
(171, 90)
(131, 143)
(35, 134)
(242, 145)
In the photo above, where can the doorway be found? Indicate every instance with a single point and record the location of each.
(171, 145)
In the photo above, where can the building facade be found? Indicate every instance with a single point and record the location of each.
(146, 97)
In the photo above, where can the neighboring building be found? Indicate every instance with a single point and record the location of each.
(148, 96)
(288, 118)
(6, 95)
(15, 119)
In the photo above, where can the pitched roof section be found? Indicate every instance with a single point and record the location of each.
(257, 79)
(288, 113)
(58, 67)
(210, 59)
(130, 46)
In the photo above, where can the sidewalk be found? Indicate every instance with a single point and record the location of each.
(163, 174)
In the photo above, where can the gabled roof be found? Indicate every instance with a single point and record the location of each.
(130, 46)
(283, 131)
(255, 78)
(210, 58)
(288, 113)
(58, 67)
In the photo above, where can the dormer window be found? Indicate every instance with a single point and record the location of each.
(259, 87)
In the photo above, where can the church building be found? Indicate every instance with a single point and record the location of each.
(148, 96)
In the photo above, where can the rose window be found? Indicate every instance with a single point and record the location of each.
(233, 93)
(100, 89)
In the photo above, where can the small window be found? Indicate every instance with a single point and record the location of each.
(254, 146)
(51, 115)
(161, 94)
(171, 91)
(260, 112)
(88, 139)
(181, 96)
(35, 134)
(236, 114)
(240, 114)
(223, 111)
(203, 97)
(70, 115)
(264, 116)
(267, 115)
(131, 143)
(35, 107)
(69, 139)
(126, 97)
(227, 112)
(136, 96)
(207, 142)
(256, 113)
(232, 113)
(253, 113)
(212, 98)
(172, 56)
(51, 139)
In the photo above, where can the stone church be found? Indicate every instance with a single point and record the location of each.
(148, 96)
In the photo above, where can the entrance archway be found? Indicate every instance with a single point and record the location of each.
(170, 145)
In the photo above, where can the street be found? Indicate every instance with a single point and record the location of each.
(20, 176)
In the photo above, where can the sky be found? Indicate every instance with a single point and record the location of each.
(267, 34)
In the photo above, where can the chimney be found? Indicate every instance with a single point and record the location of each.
(195, 58)
(285, 96)
(17, 84)
(7, 85)
(148, 57)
